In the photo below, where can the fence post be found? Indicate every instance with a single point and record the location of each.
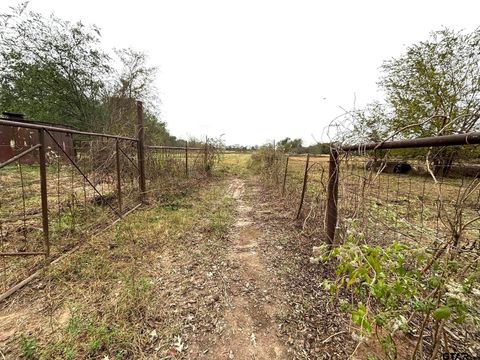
(43, 191)
(119, 184)
(304, 188)
(332, 196)
(205, 158)
(275, 168)
(274, 152)
(186, 159)
(285, 176)
(141, 149)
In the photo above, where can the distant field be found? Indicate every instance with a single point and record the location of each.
(234, 163)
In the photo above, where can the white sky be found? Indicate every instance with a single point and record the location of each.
(258, 70)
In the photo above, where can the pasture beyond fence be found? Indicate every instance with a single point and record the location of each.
(70, 190)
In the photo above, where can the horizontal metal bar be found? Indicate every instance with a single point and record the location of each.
(4, 121)
(155, 147)
(18, 156)
(26, 253)
(445, 140)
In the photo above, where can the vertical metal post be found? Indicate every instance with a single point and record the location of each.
(304, 188)
(186, 159)
(119, 184)
(274, 163)
(332, 196)
(141, 150)
(285, 176)
(206, 154)
(43, 191)
(274, 152)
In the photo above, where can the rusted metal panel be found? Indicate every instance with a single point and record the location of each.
(17, 139)
(7, 138)
(19, 156)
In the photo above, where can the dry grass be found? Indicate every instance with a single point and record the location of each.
(131, 291)
(76, 209)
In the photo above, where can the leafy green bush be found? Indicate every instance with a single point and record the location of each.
(390, 286)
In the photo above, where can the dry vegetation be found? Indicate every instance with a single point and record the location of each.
(406, 260)
(223, 270)
(130, 291)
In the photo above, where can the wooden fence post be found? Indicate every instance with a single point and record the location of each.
(119, 178)
(332, 196)
(141, 150)
(43, 191)
(205, 157)
(274, 152)
(285, 176)
(186, 159)
(304, 188)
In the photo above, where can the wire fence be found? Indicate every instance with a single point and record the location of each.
(369, 183)
(402, 215)
(60, 186)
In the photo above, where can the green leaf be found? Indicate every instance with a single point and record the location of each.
(443, 312)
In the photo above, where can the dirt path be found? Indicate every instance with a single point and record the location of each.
(250, 326)
(224, 274)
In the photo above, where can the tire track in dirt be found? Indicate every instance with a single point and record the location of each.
(250, 328)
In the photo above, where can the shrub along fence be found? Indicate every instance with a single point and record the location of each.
(399, 222)
(69, 190)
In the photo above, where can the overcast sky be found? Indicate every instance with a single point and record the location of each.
(257, 70)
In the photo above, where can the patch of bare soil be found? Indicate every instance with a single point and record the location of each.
(274, 305)
(250, 329)
(310, 323)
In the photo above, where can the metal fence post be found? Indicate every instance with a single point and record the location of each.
(141, 149)
(332, 196)
(206, 154)
(285, 176)
(274, 152)
(304, 188)
(43, 191)
(186, 159)
(119, 184)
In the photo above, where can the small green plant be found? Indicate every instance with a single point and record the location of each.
(220, 220)
(388, 286)
(29, 347)
(85, 334)
(69, 353)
